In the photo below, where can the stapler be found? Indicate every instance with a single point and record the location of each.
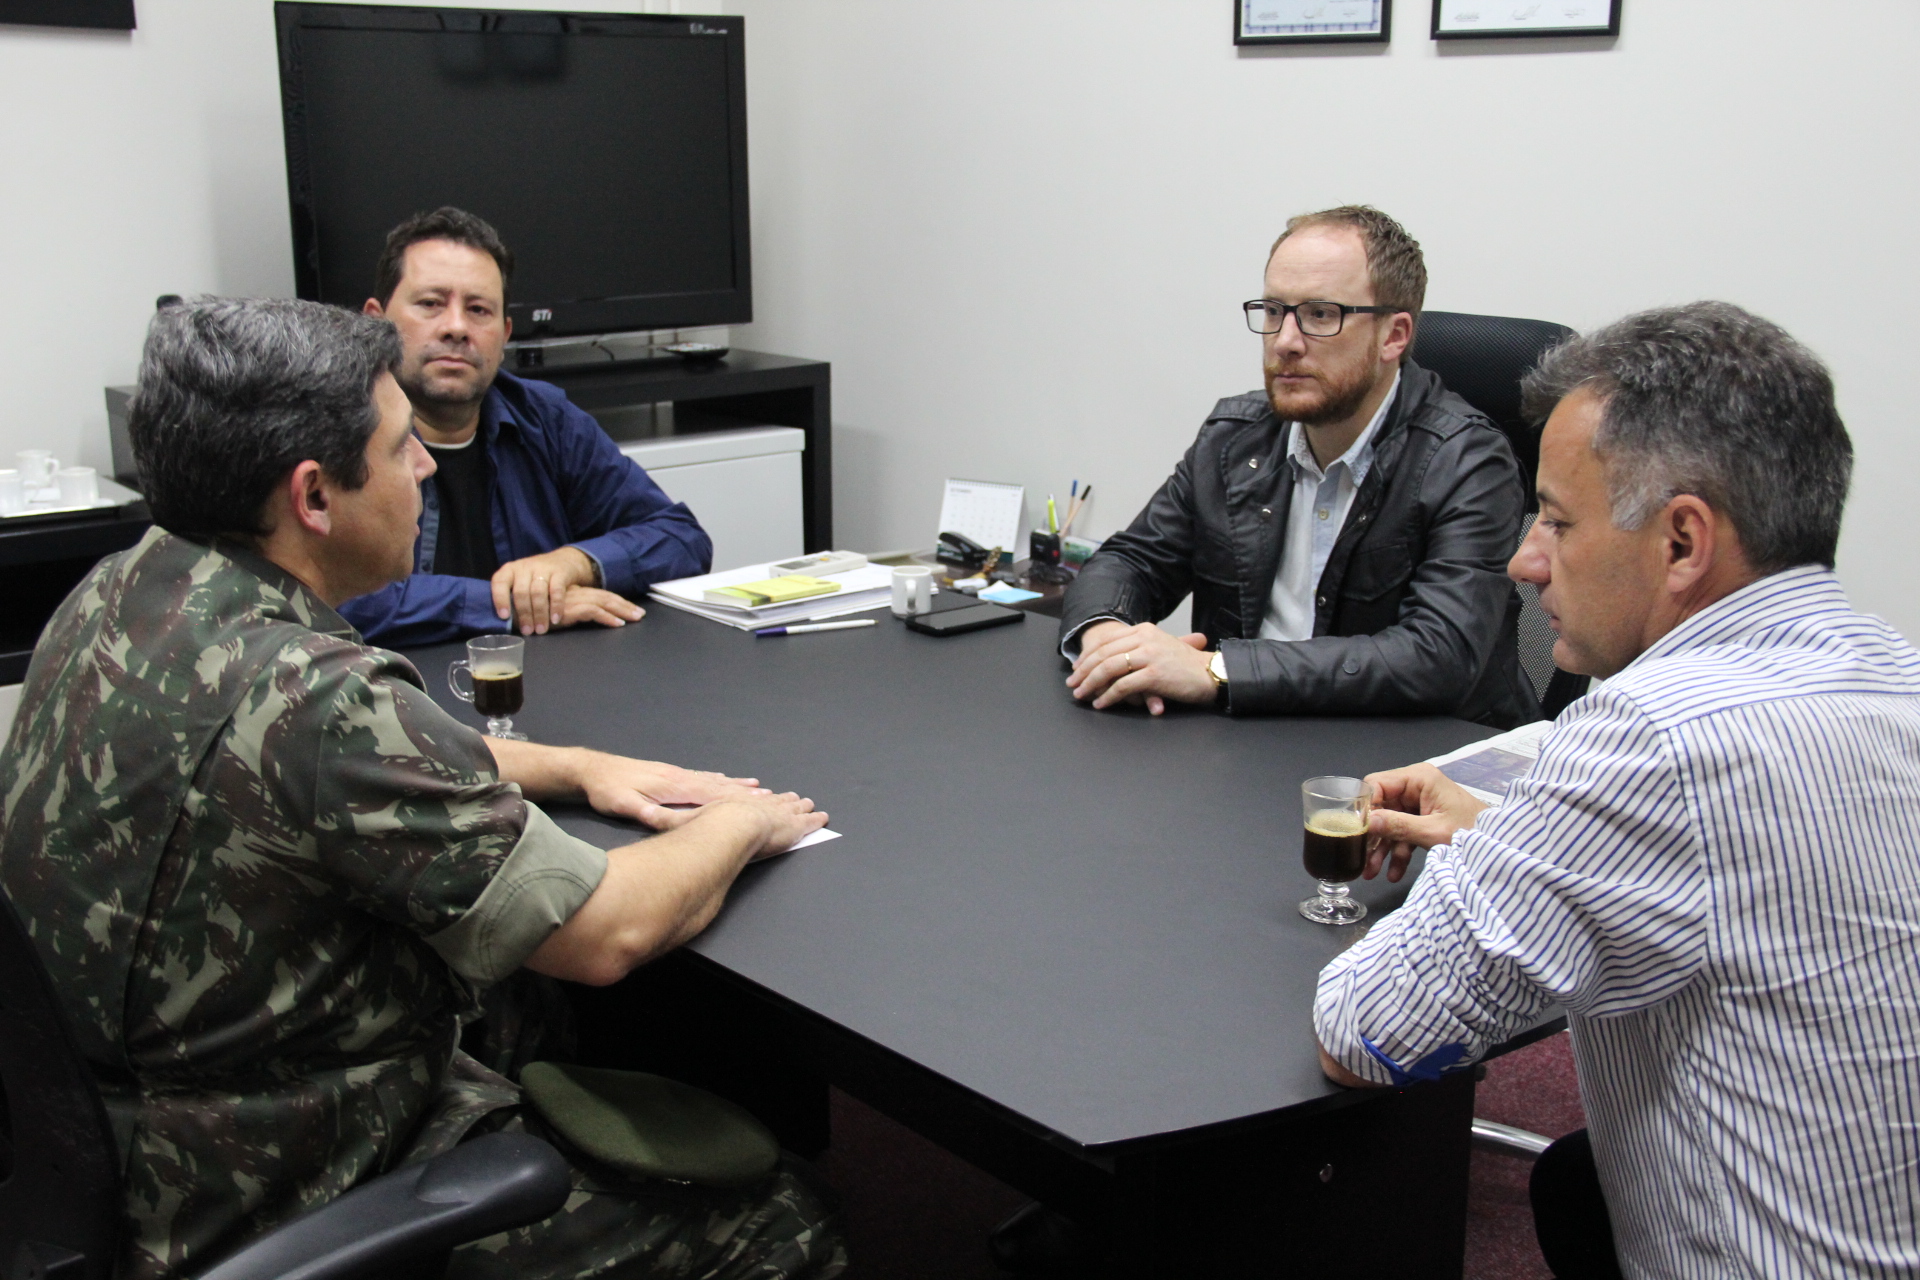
(958, 549)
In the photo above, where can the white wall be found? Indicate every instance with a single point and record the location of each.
(132, 165)
(1020, 228)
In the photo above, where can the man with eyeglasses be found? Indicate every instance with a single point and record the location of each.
(1344, 536)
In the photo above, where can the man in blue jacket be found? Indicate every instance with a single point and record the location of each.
(534, 520)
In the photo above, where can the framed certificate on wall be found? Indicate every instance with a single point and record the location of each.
(1479, 19)
(1312, 21)
(112, 15)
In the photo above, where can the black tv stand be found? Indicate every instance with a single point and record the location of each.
(741, 389)
(537, 356)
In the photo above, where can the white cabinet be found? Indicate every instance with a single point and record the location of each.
(742, 485)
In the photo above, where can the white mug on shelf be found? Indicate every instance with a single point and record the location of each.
(13, 493)
(79, 486)
(912, 590)
(37, 467)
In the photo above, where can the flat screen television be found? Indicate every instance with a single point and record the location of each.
(610, 150)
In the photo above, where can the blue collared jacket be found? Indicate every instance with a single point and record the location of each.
(557, 480)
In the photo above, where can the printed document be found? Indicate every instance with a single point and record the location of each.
(1487, 768)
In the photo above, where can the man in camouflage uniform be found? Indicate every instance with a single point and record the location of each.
(270, 876)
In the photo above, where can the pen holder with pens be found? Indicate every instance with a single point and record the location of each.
(1043, 557)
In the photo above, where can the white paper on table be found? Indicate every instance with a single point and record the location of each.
(986, 512)
(868, 587)
(821, 836)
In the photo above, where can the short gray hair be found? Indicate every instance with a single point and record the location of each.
(234, 394)
(1711, 400)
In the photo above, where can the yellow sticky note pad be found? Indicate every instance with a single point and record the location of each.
(796, 586)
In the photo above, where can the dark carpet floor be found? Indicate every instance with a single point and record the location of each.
(914, 1212)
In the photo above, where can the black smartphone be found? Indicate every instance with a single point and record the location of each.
(970, 617)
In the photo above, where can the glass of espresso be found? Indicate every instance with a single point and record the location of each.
(495, 668)
(1335, 849)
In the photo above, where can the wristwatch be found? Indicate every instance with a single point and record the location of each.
(1217, 671)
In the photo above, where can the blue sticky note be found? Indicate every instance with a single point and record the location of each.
(1007, 593)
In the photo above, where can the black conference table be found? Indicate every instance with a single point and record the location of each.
(1061, 943)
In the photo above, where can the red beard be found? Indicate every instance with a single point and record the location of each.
(1329, 398)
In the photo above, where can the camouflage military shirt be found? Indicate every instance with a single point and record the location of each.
(268, 874)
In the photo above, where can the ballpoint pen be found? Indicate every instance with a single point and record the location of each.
(804, 627)
(1074, 512)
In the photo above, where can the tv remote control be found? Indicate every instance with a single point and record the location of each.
(819, 564)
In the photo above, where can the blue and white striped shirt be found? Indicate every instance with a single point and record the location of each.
(1714, 868)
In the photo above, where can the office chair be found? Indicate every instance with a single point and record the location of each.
(1482, 360)
(60, 1199)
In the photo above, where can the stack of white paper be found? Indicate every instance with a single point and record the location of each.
(868, 587)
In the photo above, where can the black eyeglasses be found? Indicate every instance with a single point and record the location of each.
(1317, 319)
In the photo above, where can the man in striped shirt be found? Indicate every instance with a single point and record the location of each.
(1714, 867)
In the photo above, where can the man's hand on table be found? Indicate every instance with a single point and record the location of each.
(657, 795)
(788, 819)
(591, 604)
(1140, 664)
(642, 789)
(546, 592)
(1413, 808)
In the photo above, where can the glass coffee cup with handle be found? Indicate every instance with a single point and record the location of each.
(1335, 812)
(495, 668)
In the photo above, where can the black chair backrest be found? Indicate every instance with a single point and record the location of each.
(1482, 359)
(59, 1173)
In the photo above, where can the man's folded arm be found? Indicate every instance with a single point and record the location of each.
(665, 545)
(1141, 573)
(1450, 624)
(1401, 1010)
(621, 519)
(566, 909)
(542, 885)
(424, 608)
(655, 895)
(414, 823)
(1584, 890)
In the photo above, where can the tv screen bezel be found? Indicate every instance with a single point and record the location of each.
(563, 318)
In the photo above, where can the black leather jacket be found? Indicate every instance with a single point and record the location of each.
(1414, 613)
